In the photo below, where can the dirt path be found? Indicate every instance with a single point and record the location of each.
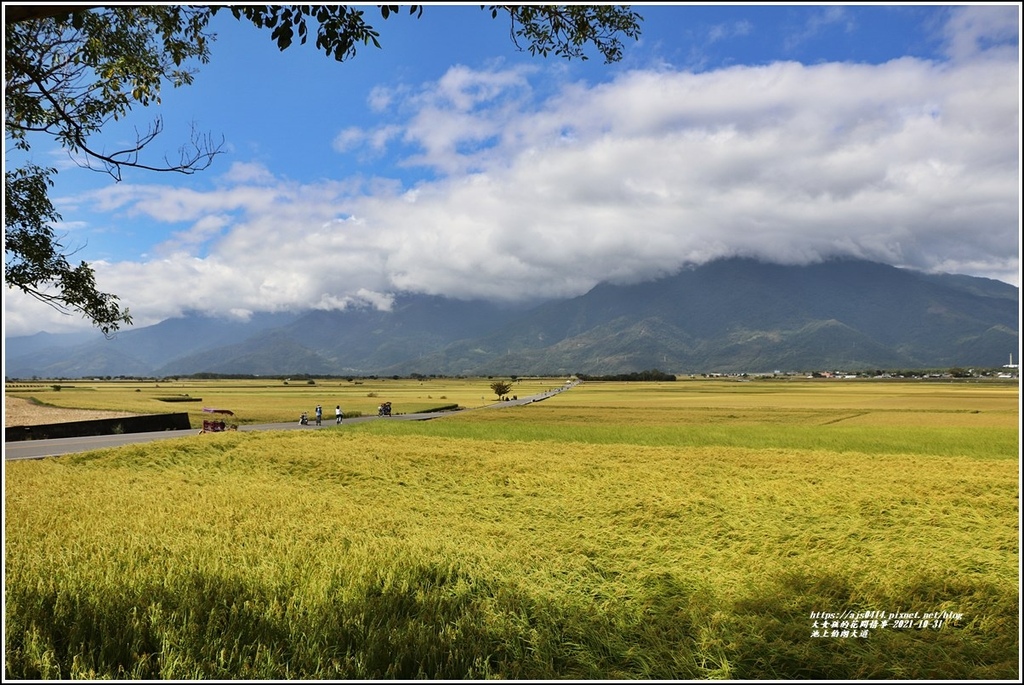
(20, 412)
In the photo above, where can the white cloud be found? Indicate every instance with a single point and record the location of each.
(911, 162)
(356, 138)
(349, 138)
(247, 172)
(381, 97)
(975, 29)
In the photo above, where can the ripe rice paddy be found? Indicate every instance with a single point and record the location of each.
(270, 401)
(690, 530)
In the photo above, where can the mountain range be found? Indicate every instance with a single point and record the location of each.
(728, 316)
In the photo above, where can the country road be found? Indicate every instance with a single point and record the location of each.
(39, 449)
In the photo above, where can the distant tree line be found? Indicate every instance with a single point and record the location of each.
(652, 375)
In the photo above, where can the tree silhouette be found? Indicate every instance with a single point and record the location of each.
(501, 388)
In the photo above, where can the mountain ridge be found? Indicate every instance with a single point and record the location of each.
(730, 315)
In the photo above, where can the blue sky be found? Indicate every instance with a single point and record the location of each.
(450, 163)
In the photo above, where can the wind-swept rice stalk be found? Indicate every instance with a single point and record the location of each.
(392, 552)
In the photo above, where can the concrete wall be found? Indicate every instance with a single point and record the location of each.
(77, 429)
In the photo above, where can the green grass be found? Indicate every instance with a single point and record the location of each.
(975, 421)
(517, 424)
(559, 540)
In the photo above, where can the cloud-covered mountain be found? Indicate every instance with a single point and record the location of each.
(493, 176)
(742, 315)
(732, 315)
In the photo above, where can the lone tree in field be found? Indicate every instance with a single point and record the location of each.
(71, 69)
(501, 388)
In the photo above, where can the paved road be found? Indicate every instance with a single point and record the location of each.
(37, 449)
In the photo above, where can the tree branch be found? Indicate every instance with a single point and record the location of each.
(200, 158)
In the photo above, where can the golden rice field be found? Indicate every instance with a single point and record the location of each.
(691, 530)
(270, 401)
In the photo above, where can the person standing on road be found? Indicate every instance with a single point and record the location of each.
(319, 414)
(337, 414)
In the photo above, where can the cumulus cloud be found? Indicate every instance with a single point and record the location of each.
(912, 162)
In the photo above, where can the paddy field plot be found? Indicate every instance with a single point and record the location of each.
(689, 530)
(256, 401)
